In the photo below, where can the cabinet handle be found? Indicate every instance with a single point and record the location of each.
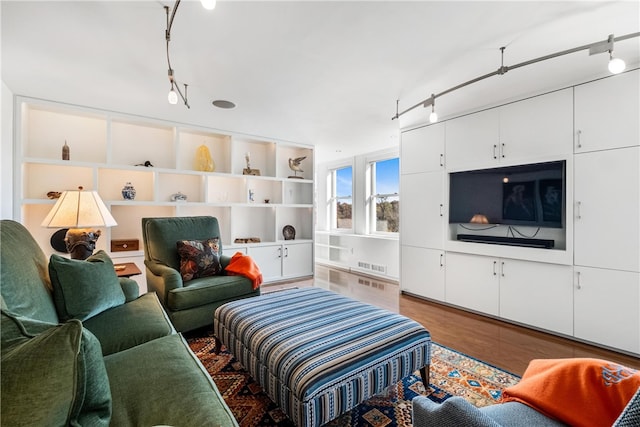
(441, 260)
(494, 268)
(441, 160)
(578, 138)
(578, 285)
(502, 269)
(441, 206)
(502, 150)
(578, 206)
(286, 252)
(494, 151)
(279, 252)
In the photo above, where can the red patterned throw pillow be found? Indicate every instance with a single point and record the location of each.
(199, 258)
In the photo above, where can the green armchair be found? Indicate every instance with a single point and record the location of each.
(190, 304)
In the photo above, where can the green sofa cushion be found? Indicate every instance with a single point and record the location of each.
(82, 289)
(183, 393)
(24, 275)
(130, 324)
(52, 374)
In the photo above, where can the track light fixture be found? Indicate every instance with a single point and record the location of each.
(208, 4)
(172, 97)
(433, 117)
(616, 65)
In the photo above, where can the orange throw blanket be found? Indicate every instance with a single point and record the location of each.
(243, 265)
(577, 392)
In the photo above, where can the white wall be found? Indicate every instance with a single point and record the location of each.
(6, 153)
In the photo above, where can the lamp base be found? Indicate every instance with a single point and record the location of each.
(81, 242)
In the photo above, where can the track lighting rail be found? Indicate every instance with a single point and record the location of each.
(594, 48)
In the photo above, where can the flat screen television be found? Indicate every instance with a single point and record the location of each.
(532, 195)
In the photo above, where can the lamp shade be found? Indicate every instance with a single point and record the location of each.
(79, 209)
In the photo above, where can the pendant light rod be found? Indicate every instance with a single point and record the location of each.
(597, 47)
(167, 35)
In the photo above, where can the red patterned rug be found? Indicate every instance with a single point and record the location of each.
(451, 374)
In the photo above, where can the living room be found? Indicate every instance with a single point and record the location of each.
(333, 84)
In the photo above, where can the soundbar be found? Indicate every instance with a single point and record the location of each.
(511, 241)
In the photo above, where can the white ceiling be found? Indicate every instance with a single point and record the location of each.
(326, 73)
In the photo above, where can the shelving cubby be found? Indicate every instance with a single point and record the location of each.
(219, 146)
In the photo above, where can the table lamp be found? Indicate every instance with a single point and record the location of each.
(79, 211)
(479, 219)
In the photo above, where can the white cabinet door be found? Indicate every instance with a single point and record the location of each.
(422, 150)
(606, 113)
(607, 209)
(471, 141)
(472, 282)
(422, 272)
(537, 127)
(297, 260)
(607, 307)
(422, 214)
(268, 259)
(537, 294)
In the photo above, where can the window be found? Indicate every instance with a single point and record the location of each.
(342, 198)
(384, 202)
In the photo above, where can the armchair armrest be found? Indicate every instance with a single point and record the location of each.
(224, 262)
(130, 288)
(161, 279)
(453, 412)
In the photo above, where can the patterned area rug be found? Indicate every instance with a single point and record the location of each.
(451, 374)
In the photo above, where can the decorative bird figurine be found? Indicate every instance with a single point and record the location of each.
(294, 165)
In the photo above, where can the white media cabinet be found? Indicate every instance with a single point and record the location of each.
(588, 286)
(105, 149)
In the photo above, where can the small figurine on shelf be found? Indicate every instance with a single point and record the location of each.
(252, 195)
(204, 161)
(178, 197)
(128, 191)
(294, 165)
(65, 151)
(248, 170)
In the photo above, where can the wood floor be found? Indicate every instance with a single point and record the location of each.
(498, 343)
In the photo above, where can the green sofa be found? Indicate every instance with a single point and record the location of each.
(81, 347)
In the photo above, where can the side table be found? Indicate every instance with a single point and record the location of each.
(127, 269)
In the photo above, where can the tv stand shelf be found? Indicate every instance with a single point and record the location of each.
(510, 241)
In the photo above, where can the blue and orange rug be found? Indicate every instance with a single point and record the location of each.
(451, 374)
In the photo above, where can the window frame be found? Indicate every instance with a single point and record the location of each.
(333, 198)
(372, 195)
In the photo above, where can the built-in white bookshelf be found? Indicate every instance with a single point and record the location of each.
(109, 149)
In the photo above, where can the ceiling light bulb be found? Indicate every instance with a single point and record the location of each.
(208, 4)
(172, 97)
(433, 117)
(616, 65)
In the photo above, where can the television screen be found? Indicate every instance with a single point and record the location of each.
(531, 194)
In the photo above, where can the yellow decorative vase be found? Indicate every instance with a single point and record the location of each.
(204, 161)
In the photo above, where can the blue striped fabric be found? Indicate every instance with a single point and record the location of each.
(318, 354)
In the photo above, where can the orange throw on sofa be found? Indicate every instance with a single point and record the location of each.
(243, 265)
(577, 392)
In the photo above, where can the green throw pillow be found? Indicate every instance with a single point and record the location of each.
(52, 374)
(82, 289)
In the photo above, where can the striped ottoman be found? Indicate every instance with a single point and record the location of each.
(318, 354)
